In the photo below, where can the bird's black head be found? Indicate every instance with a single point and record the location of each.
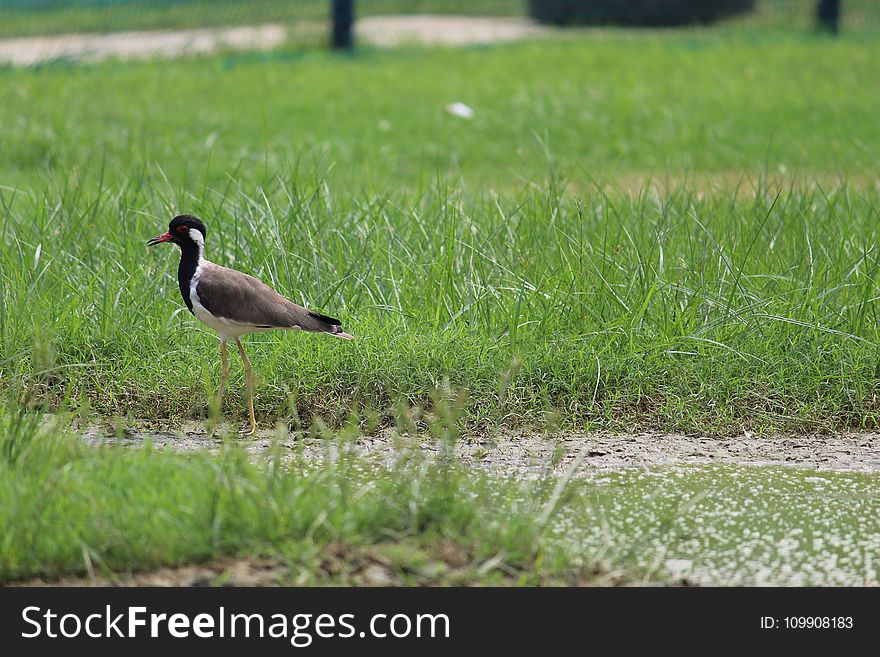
(179, 232)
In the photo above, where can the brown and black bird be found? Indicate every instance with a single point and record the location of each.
(233, 303)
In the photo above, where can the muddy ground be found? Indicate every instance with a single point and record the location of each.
(531, 454)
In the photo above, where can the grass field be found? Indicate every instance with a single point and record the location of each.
(677, 232)
(72, 509)
(519, 257)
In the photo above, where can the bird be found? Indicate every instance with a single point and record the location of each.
(233, 303)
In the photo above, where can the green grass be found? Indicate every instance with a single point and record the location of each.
(620, 107)
(518, 257)
(71, 509)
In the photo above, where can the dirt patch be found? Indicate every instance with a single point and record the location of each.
(230, 572)
(385, 31)
(29, 51)
(380, 31)
(535, 455)
(743, 183)
(391, 564)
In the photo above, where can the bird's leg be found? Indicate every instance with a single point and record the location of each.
(224, 374)
(249, 374)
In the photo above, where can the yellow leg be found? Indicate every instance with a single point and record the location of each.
(249, 375)
(224, 374)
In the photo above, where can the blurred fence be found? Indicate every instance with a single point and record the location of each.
(381, 22)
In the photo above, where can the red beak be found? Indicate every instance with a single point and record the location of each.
(165, 237)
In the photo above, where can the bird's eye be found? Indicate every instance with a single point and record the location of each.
(181, 229)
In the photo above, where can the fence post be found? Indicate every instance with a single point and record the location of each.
(828, 14)
(342, 37)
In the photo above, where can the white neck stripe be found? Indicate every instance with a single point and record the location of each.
(196, 236)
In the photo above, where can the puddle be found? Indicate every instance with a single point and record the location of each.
(730, 525)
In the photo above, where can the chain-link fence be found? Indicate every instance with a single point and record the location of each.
(202, 25)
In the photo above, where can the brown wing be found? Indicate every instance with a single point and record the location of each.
(241, 298)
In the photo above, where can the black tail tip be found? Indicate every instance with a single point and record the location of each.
(332, 321)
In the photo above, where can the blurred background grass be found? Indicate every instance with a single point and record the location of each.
(39, 17)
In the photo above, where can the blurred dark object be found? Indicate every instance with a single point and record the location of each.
(635, 12)
(342, 35)
(828, 13)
